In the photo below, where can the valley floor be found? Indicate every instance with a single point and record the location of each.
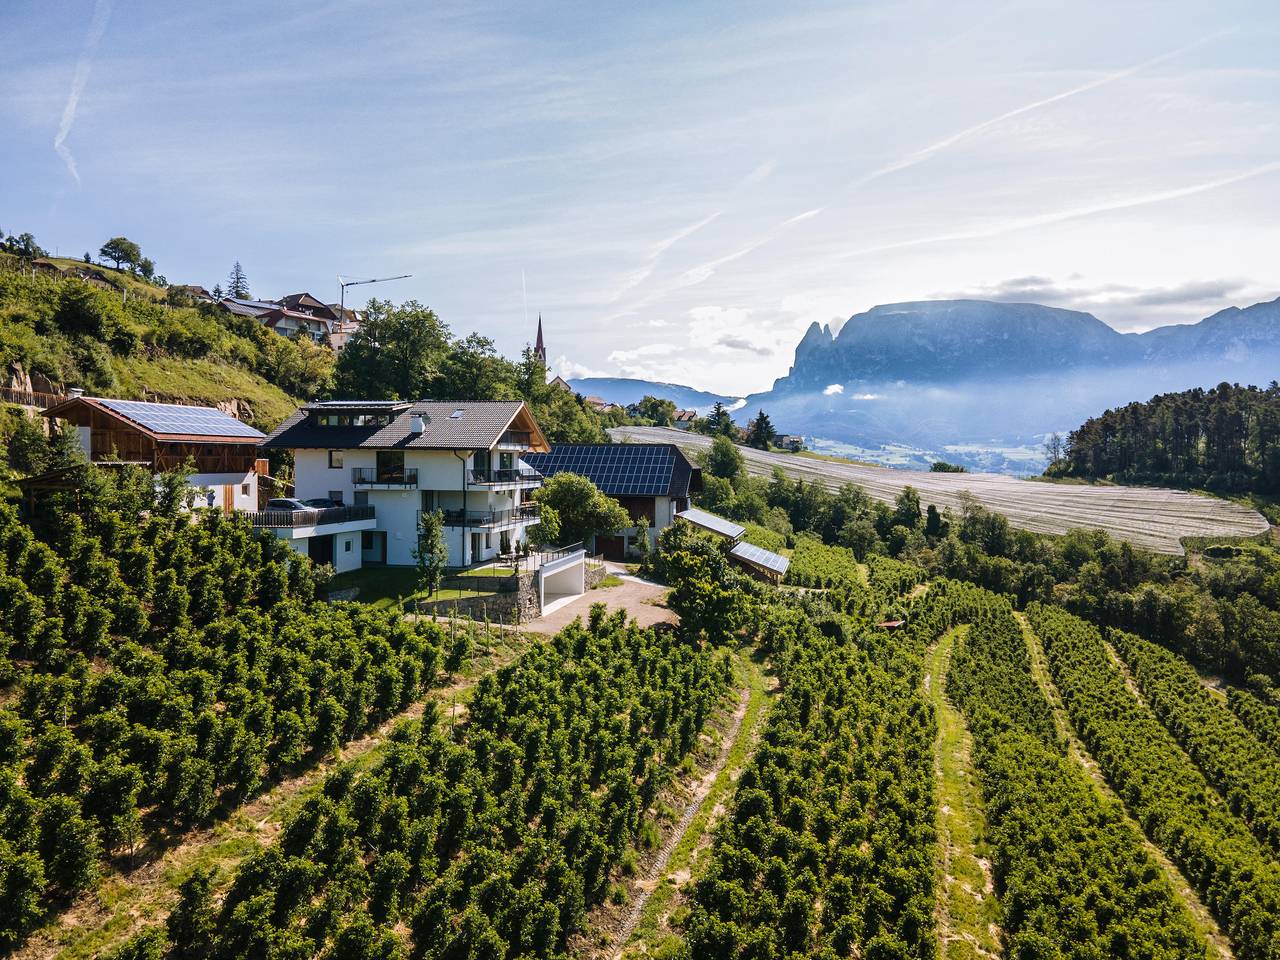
(1149, 517)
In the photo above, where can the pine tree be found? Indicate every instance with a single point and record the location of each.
(217, 291)
(237, 282)
(761, 432)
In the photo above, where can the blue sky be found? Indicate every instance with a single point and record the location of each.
(680, 188)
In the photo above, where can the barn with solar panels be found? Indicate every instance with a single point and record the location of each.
(652, 481)
(763, 563)
(222, 450)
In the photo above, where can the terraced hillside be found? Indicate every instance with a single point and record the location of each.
(1149, 517)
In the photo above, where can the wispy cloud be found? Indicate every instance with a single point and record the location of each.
(704, 271)
(1073, 213)
(642, 273)
(924, 153)
(101, 13)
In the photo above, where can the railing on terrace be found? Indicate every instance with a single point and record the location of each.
(516, 438)
(555, 553)
(511, 475)
(490, 518)
(366, 476)
(310, 518)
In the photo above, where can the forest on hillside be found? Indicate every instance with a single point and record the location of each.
(1225, 439)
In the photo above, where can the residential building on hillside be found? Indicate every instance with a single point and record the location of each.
(385, 461)
(683, 419)
(560, 383)
(600, 404)
(652, 481)
(221, 450)
(789, 441)
(193, 290)
(295, 315)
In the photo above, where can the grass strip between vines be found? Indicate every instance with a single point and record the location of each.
(1204, 921)
(123, 904)
(968, 912)
(653, 930)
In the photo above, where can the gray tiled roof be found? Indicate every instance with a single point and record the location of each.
(478, 426)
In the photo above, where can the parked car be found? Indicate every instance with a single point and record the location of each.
(321, 503)
(287, 503)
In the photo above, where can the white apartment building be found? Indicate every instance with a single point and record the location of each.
(386, 461)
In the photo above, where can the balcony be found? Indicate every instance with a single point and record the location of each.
(373, 477)
(489, 519)
(519, 476)
(293, 519)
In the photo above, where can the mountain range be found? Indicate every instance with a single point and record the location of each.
(624, 390)
(982, 383)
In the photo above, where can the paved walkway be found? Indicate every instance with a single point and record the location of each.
(640, 598)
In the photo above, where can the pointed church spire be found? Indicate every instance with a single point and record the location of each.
(540, 348)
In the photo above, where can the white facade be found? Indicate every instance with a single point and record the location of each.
(229, 491)
(480, 518)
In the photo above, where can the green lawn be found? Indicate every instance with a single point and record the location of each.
(484, 572)
(383, 587)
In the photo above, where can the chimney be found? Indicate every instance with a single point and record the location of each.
(417, 424)
(75, 391)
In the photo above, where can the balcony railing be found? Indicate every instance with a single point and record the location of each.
(516, 438)
(372, 476)
(510, 475)
(310, 518)
(490, 518)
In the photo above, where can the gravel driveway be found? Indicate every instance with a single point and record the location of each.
(639, 598)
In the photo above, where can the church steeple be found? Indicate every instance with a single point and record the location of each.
(540, 348)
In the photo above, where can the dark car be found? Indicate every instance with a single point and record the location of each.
(320, 503)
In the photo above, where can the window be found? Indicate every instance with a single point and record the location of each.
(335, 459)
(390, 466)
(428, 502)
(362, 498)
(488, 540)
(506, 461)
(346, 545)
(244, 489)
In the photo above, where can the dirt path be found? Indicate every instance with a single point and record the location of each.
(1200, 914)
(967, 912)
(125, 902)
(651, 891)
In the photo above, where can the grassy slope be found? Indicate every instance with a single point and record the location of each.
(128, 281)
(203, 382)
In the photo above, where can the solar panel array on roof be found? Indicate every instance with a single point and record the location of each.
(709, 521)
(760, 557)
(173, 418)
(620, 470)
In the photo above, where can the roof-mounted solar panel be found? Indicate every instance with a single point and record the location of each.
(759, 557)
(709, 521)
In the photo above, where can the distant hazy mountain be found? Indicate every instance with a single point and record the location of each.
(623, 390)
(981, 382)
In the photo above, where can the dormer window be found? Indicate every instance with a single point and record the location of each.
(457, 414)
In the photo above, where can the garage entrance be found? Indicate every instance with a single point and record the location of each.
(562, 580)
